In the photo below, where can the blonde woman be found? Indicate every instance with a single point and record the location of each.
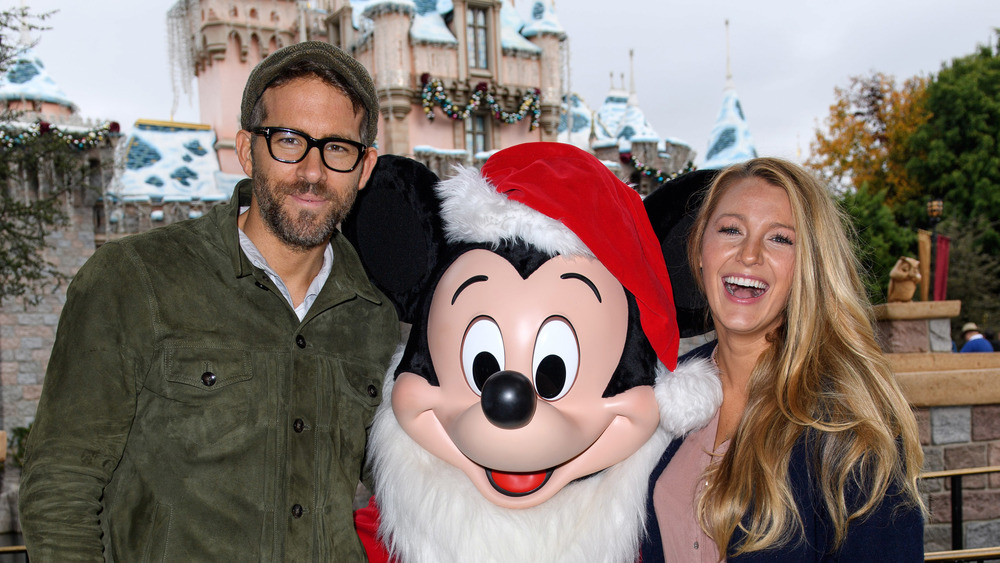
(813, 454)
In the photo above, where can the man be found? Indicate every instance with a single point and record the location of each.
(212, 381)
(974, 340)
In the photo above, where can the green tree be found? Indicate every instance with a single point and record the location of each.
(879, 240)
(955, 155)
(974, 272)
(38, 166)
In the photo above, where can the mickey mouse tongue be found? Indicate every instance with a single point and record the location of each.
(517, 484)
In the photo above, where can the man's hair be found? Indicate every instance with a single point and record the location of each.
(327, 62)
(302, 69)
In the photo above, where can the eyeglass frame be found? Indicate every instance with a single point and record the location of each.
(311, 142)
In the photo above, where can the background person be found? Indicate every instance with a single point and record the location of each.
(974, 340)
(813, 454)
(212, 380)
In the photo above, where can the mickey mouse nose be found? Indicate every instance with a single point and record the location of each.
(508, 400)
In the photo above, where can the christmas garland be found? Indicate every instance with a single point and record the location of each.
(9, 138)
(433, 93)
(661, 176)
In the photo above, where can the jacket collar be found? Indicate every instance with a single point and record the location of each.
(227, 216)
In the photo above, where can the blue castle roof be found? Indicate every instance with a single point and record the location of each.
(27, 79)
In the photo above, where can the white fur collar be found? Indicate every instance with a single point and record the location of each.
(431, 512)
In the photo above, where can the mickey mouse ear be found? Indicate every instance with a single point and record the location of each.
(395, 226)
(672, 209)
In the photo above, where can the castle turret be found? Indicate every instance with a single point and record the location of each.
(388, 57)
(545, 31)
(226, 39)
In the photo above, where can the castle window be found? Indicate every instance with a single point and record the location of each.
(477, 134)
(477, 37)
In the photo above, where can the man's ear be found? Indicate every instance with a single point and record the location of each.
(244, 144)
(367, 165)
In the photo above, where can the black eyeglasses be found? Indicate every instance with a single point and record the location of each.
(291, 146)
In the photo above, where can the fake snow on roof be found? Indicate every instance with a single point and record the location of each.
(511, 25)
(634, 126)
(611, 113)
(575, 122)
(27, 79)
(428, 24)
(730, 141)
(170, 161)
(370, 5)
(543, 20)
(622, 121)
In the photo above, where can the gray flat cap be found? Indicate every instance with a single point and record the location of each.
(354, 74)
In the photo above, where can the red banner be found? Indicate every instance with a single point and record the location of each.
(942, 247)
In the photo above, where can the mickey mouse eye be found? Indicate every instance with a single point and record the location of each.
(482, 352)
(555, 359)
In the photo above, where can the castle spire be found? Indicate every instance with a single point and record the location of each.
(631, 71)
(729, 68)
(25, 33)
(633, 97)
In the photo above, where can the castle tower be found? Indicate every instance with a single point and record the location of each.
(389, 59)
(545, 31)
(220, 43)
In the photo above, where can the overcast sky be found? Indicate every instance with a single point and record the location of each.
(110, 56)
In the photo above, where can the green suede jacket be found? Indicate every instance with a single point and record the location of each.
(188, 415)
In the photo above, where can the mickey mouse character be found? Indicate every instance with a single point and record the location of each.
(534, 393)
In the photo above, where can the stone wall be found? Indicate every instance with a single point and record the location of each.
(27, 332)
(957, 437)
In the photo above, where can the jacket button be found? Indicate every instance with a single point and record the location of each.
(300, 341)
(208, 379)
(372, 391)
(299, 425)
(296, 511)
(260, 285)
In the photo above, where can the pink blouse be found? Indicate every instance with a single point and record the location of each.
(675, 493)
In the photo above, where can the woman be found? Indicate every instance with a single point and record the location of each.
(813, 454)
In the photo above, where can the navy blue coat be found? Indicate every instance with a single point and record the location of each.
(893, 531)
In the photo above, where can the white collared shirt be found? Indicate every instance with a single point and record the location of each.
(258, 260)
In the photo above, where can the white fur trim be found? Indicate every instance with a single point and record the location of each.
(473, 211)
(688, 396)
(431, 512)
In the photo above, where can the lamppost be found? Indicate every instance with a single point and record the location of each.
(935, 207)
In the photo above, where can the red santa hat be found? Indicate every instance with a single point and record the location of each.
(563, 200)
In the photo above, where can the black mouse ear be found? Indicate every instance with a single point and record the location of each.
(395, 225)
(672, 209)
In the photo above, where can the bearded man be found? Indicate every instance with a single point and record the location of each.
(212, 381)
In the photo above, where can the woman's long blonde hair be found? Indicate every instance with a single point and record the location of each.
(823, 375)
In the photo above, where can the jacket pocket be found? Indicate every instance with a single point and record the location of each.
(207, 392)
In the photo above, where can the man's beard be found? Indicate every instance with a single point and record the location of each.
(307, 229)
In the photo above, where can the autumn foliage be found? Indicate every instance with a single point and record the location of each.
(865, 144)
